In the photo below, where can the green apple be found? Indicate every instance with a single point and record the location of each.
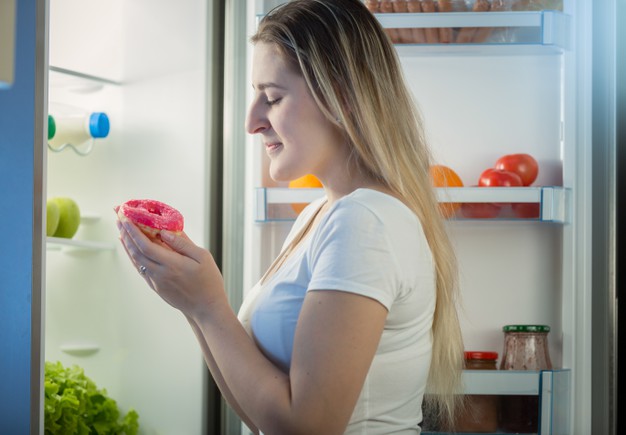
(52, 217)
(69, 217)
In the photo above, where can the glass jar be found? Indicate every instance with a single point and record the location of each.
(480, 414)
(525, 348)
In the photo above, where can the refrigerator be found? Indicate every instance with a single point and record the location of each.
(173, 79)
(150, 67)
(544, 83)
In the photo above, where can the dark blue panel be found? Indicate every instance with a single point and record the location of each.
(18, 194)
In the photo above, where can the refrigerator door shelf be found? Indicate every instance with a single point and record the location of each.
(275, 204)
(552, 387)
(544, 30)
(509, 382)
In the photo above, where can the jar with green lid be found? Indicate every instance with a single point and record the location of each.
(480, 413)
(525, 348)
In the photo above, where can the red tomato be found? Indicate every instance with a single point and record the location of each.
(499, 178)
(480, 210)
(526, 210)
(523, 165)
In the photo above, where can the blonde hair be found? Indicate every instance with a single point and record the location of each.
(353, 72)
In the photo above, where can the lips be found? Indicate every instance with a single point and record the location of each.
(273, 147)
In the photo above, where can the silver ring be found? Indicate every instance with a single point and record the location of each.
(142, 270)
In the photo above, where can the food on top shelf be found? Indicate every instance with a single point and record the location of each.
(418, 36)
(405, 35)
(445, 35)
(466, 35)
(69, 217)
(443, 176)
(432, 34)
(386, 7)
(151, 216)
(307, 181)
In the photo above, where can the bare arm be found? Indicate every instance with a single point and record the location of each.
(218, 378)
(336, 339)
(320, 391)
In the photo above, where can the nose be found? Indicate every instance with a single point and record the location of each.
(256, 120)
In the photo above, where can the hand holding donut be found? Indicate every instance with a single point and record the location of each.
(178, 270)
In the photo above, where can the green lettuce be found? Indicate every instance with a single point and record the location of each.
(75, 406)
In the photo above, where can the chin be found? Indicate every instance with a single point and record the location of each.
(282, 176)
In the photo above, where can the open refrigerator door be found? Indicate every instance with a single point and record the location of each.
(145, 66)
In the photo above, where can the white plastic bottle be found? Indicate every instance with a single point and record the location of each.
(76, 129)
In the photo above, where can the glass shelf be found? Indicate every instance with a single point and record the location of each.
(59, 244)
(523, 31)
(552, 387)
(63, 77)
(545, 204)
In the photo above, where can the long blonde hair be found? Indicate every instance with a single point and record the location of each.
(353, 72)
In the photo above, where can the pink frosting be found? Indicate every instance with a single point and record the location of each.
(153, 214)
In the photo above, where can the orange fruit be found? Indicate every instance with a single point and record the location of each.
(308, 181)
(443, 176)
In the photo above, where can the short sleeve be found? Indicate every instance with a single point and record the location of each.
(351, 252)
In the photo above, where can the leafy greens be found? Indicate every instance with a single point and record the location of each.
(75, 406)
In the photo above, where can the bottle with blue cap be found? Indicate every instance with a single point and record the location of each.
(76, 129)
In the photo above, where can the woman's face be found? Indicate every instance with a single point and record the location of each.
(298, 139)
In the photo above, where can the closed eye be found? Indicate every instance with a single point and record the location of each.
(273, 102)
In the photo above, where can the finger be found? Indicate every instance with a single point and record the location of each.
(136, 240)
(182, 244)
(136, 254)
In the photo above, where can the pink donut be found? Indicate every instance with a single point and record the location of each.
(151, 216)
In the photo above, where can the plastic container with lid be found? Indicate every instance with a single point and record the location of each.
(525, 348)
(78, 128)
(480, 414)
(75, 128)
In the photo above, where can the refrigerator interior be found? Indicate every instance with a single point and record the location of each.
(144, 64)
(479, 103)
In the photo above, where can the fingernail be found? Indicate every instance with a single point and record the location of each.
(167, 236)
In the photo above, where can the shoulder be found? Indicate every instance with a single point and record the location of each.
(371, 208)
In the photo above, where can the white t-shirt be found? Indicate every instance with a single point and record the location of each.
(368, 243)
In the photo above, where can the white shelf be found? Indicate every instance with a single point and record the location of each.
(538, 31)
(273, 204)
(58, 244)
(76, 80)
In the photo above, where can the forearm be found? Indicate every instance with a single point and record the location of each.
(217, 376)
(262, 391)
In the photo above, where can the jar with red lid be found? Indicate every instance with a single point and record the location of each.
(525, 348)
(480, 414)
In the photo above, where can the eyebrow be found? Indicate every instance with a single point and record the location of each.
(263, 86)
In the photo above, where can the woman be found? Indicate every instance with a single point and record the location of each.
(356, 320)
